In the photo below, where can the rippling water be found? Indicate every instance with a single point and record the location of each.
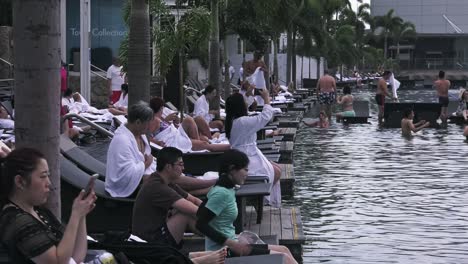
(367, 195)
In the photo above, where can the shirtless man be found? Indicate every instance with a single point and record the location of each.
(326, 92)
(249, 67)
(322, 122)
(382, 92)
(407, 123)
(442, 86)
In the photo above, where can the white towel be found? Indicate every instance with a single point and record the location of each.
(395, 85)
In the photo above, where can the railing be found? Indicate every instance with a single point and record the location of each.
(10, 67)
(88, 122)
(100, 72)
(434, 64)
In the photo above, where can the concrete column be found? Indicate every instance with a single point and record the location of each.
(85, 51)
(63, 30)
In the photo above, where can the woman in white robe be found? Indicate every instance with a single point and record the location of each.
(202, 108)
(241, 130)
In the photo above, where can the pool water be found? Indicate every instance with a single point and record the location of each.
(368, 195)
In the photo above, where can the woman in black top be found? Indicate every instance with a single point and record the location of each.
(29, 232)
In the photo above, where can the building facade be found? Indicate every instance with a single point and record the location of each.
(442, 30)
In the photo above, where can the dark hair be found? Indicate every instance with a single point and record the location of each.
(21, 161)
(386, 73)
(167, 155)
(347, 89)
(407, 112)
(68, 92)
(208, 89)
(140, 111)
(232, 160)
(156, 103)
(235, 108)
(257, 54)
(124, 88)
(441, 74)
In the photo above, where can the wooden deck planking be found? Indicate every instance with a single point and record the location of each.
(287, 179)
(286, 225)
(289, 133)
(264, 228)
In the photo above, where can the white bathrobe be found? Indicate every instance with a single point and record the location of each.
(244, 138)
(175, 137)
(202, 108)
(125, 163)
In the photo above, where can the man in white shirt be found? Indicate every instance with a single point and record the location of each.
(115, 80)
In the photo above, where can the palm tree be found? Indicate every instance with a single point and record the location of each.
(37, 76)
(387, 23)
(139, 59)
(401, 32)
(213, 77)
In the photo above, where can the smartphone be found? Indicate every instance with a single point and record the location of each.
(90, 185)
(257, 91)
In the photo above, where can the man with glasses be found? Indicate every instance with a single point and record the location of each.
(162, 210)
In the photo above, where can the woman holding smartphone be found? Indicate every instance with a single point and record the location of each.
(241, 130)
(28, 231)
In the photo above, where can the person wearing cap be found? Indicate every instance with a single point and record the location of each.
(462, 109)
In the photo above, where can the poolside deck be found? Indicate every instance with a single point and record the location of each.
(283, 223)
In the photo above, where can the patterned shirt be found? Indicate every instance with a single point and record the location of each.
(25, 237)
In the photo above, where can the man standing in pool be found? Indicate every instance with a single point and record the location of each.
(382, 92)
(442, 86)
(326, 93)
(407, 125)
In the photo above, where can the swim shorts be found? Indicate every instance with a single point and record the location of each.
(380, 99)
(444, 101)
(327, 98)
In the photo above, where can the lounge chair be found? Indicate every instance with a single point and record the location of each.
(110, 213)
(81, 158)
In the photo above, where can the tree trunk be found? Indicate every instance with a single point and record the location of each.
(266, 75)
(294, 68)
(37, 93)
(227, 79)
(289, 56)
(302, 68)
(181, 85)
(213, 77)
(6, 52)
(227, 74)
(139, 59)
(275, 59)
(318, 60)
(385, 46)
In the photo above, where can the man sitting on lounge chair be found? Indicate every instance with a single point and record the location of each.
(129, 159)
